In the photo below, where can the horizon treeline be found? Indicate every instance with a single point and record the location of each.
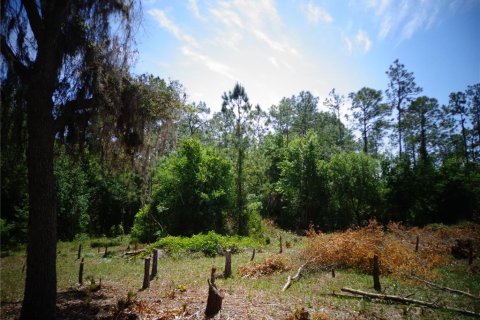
(157, 164)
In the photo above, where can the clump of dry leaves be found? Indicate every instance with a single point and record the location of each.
(273, 263)
(394, 244)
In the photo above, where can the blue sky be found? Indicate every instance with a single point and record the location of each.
(278, 48)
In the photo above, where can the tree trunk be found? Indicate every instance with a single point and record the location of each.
(376, 274)
(146, 274)
(154, 264)
(41, 279)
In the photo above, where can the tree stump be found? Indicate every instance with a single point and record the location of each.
(146, 274)
(253, 255)
(212, 275)
(333, 272)
(106, 251)
(470, 253)
(281, 245)
(416, 245)
(227, 273)
(376, 274)
(79, 253)
(154, 264)
(214, 301)
(80, 272)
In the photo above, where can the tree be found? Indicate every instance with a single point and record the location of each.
(334, 102)
(422, 115)
(192, 193)
(61, 51)
(473, 102)
(367, 110)
(401, 90)
(236, 105)
(282, 116)
(305, 108)
(193, 119)
(457, 107)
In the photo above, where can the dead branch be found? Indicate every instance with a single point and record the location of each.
(432, 284)
(296, 276)
(401, 300)
(133, 253)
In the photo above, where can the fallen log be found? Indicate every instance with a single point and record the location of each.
(133, 253)
(432, 284)
(401, 300)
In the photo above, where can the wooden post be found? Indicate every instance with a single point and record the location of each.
(146, 274)
(253, 255)
(80, 272)
(281, 245)
(227, 273)
(416, 245)
(212, 275)
(106, 251)
(470, 252)
(79, 253)
(98, 249)
(333, 272)
(154, 264)
(214, 301)
(376, 274)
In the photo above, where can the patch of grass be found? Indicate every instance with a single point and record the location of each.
(106, 242)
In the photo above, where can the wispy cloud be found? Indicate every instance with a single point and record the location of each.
(193, 6)
(211, 64)
(363, 41)
(169, 25)
(317, 14)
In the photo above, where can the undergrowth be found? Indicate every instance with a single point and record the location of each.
(210, 244)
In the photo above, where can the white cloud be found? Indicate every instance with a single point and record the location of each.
(349, 45)
(317, 14)
(168, 24)
(211, 64)
(193, 6)
(362, 40)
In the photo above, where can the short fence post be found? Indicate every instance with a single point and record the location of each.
(146, 274)
(80, 272)
(228, 264)
(376, 274)
(154, 264)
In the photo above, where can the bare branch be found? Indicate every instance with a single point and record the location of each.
(12, 60)
(34, 18)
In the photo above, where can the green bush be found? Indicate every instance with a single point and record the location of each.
(106, 242)
(209, 244)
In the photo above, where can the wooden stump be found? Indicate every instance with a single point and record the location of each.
(416, 245)
(79, 253)
(227, 273)
(106, 251)
(212, 274)
(281, 245)
(376, 274)
(80, 272)
(214, 301)
(146, 274)
(333, 272)
(154, 264)
(253, 255)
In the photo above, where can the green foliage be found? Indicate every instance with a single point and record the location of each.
(73, 197)
(209, 244)
(192, 192)
(355, 188)
(106, 242)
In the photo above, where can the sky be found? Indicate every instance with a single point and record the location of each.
(276, 49)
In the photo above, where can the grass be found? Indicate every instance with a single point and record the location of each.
(181, 281)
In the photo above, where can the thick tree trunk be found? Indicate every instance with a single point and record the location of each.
(41, 279)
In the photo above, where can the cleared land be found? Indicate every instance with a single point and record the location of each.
(254, 292)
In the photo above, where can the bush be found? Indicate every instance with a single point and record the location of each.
(209, 244)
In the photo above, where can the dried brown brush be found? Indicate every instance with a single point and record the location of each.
(273, 263)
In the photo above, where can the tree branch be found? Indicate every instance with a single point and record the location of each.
(12, 60)
(34, 18)
(398, 299)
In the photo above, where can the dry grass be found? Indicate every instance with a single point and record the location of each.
(273, 263)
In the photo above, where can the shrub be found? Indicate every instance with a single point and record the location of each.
(274, 263)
